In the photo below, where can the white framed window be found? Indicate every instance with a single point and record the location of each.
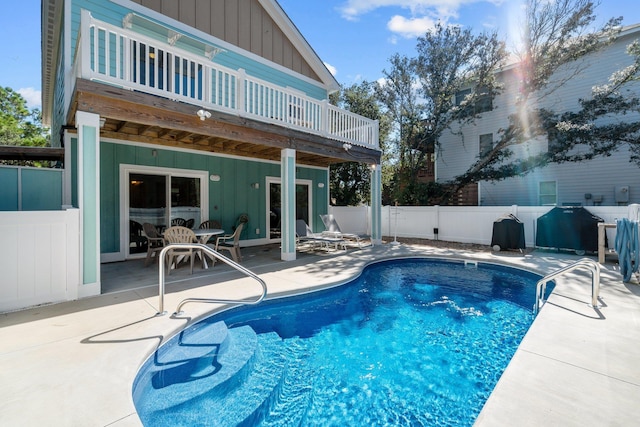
(548, 193)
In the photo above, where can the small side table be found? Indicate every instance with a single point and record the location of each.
(602, 226)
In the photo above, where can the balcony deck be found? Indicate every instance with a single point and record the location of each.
(150, 91)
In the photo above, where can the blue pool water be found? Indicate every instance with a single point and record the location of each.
(409, 343)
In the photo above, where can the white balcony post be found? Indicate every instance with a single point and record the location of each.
(324, 125)
(240, 92)
(376, 135)
(376, 204)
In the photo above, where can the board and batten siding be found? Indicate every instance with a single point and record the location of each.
(242, 23)
(597, 177)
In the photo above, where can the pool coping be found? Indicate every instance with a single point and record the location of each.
(74, 363)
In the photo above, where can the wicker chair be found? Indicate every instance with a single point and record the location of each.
(179, 234)
(155, 242)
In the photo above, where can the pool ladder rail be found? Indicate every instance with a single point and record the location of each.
(590, 264)
(215, 254)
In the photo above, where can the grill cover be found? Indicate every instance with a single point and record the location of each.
(568, 228)
(508, 233)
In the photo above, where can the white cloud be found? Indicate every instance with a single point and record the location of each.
(409, 28)
(32, 96)
(354, 8)
(333, 70)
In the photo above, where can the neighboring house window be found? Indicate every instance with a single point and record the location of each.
(483, 99)
(554, 144)
(461, 95)
(484, 102)
(548, 193)
(486, 144)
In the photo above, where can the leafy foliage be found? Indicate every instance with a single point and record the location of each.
(422, 97)
(350, 181)
(19, 125)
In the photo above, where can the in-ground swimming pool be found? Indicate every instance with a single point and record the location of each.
(410, 342)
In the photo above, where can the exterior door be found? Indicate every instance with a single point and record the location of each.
(161, 198)
(303, 205)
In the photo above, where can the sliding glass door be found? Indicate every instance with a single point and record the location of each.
(161, 199)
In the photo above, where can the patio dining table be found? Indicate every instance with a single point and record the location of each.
(203, 235)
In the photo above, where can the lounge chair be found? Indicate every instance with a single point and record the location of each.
(333, 229)
(304, 234)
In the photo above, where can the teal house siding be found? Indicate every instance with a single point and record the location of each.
(230, 197)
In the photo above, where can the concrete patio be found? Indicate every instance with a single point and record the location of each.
(73, 364)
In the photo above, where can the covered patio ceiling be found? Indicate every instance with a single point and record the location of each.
(139, 117)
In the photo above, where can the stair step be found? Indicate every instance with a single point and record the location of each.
(196, 365)
(246, 399)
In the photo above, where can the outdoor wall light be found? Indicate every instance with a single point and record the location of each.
(203, 114)
(214, 178)
(255, 185)
(321, 185)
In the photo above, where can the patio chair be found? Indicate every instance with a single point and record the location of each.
(333, 229)
(179, 234)
(190, 223)
(178, 222)
(305, 234)
(155, 242)
(136, 236)
(230, 242)
(212, 223)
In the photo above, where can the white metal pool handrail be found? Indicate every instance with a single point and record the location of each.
(216, 255)
(593, 266)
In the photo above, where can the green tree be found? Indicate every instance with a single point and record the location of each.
(556, 36)
(451, 80)
(18, 124)
(350, 182)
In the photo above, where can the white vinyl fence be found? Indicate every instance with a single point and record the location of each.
(464, 224)
(39, 257)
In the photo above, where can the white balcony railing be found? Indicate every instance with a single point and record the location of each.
(130, 60)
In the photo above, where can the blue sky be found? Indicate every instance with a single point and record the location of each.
(355, 38)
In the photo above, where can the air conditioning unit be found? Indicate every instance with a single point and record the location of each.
(621, 194)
